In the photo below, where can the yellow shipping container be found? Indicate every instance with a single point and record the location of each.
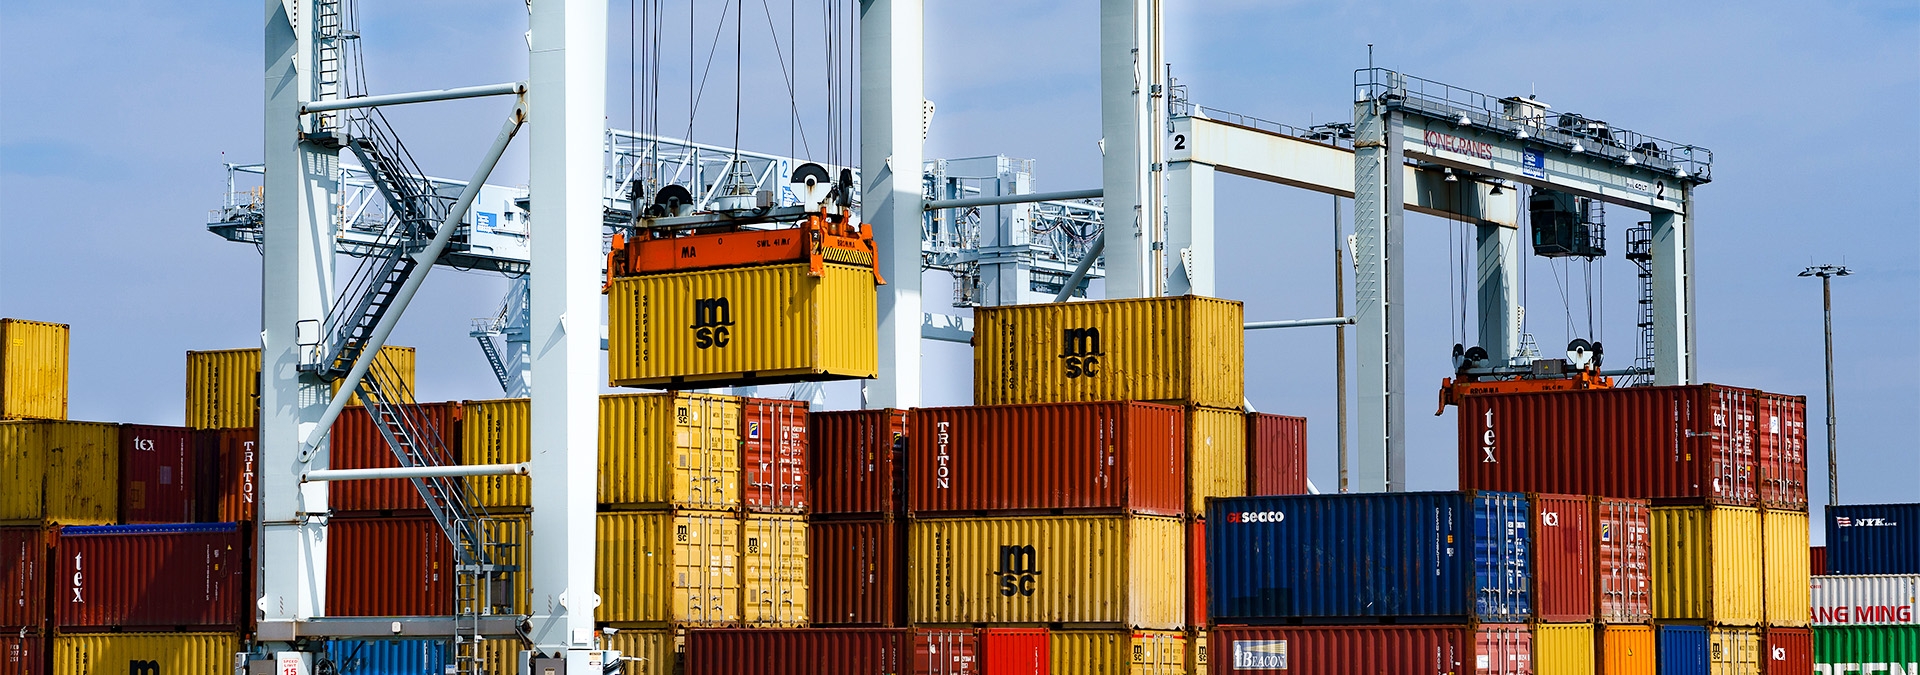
(144, 653)
(497, 432)
(1627, 650)
(773, 570)
(743, 325)
(1216, 455)
(661, 568)
(223, 386)
(33, 370)
(673, 449)
(59, 472)
(1187, 349)
(1706, 564)
(1197, 652)
(1121, 571)
(1787, 582)
(1733, 651)
(1117, 652)
(1563, 648)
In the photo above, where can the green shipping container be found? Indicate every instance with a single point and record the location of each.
(1866, 649)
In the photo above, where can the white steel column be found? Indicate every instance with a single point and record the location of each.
(301, 184)
(1672, 309)
(567, 101)
(1497, 251)
(1130, 116)
(890, 157)
(1378, 206)
(1190, 245)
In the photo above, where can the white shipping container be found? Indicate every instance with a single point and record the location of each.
(1866, 600)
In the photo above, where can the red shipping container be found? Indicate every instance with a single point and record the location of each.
(1691, 443)
(1276, 455)
(1623, 549)
(856, 457)
(797, 651)
(1197, 573)
(1780, 432)
(1789, 651)
(357, 444)
(388, 567)
(1563, 562)
(156, 474)
(23, 654)
(23, 577)
(1016, 651)
(1108, 457)
(773, 455)
(1817, 561)
(946, 651)
(116, 577)
(1491, 649)
(857, 571)
(981, 651)
(226, 461)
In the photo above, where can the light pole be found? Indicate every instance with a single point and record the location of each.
(1826, 274)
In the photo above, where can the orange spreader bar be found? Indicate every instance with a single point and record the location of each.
(818, 240)
(1451, 393)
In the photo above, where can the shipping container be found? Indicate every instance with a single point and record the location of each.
(1490, 649)
(1873, 539)
(648, 652)
(1866, 649)
(1347, 557)
(946, 651)
(1119, 457)
(1120, 571)
(1186, 349)
(23, 653)
(33, 370)
(1693, 442)
(24, 571)
(1683, 649)
(393, 370)
(1626, 650)
(156, 474)
(223, 386)
(1707, 565)
(1016, 651)
(1117, 652)
(1624, 553)
(357, 443)
(1788, 651)
(226, 460)
(1197, 658)
(773, 455)
(389, 657)
(1783, 538)
(748, 325)
(497, 432)
(1216, 455)
(59, 472)
(1276, 455)
(1817, 560)
(1563, 558)
(1196, 543)
(145, 653)
(857, 571)
(798, 651)
(1780, 447)
(858, 457)
(390, 566)
(152, 577)
(675, 449)
(773, 570)
(1733, 651)
(668, 568)
(1874, 599)
(1563, 648)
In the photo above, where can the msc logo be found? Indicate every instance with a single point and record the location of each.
(1019, 570)
(1080, 347)
(1486, 441)
(712, 322)
(139, 667)
(1256, 517)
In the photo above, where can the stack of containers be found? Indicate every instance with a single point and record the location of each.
(1563, 573)
(150, 598)
(774, 532)
(223, 412)
(1623, 586)
(857, 548)
(1866, 612)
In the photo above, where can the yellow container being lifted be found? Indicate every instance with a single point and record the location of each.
(1118, 652)
(1707, 564)
(1187, 349)
(1216, 455)
(59, 472)
(1787, 582)
(143, 653)
(668, 568)
(223, 386)
(670, 450)
(497, 432)
(773, 570)
(1116, 571)
(745, 325)
(33, 370)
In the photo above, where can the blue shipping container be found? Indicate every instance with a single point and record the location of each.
(1873, 539)
(1421, 556)
(389, 657)
(1682, 650)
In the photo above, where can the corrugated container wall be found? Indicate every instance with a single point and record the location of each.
(1196, 542)
(145, 653)
(857, 572)
(1780, 433)
(656, 652)
(773, 570)
(23, 576)
(1491, 649)
(389, 657)
(1788, 651)
(357, 444)
(223, 386)
(1016, 651)
(153, 577)
(1626, 650)
(1072, 457)
(1623, 547)
(59, 472)
(23, 653)
(1682, 649)
(1563, 648)
(1707, 564)
(1873, 599)
(797, 651)
(676, 449)
(497, 432)
(1122, 571)
(668, 568)
(226, 461)
(1216, 456)
(1640, 442)
(1733, 651)
(33, 370)
(1338, 557)
(1873, 539)
(388, 567)
(1817, 560)
(1563, 558)
(1276, 455)
(1186, 349)
(946, 651)
(742, 326)
(1117, 652)
(1866, 649)
(157, 473)
(1197, 658)
(1784, 536)
(857, 457)
(773, 455)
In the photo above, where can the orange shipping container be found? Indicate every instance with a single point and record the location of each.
(1627, 650)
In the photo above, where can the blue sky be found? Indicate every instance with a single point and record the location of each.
(115, 116)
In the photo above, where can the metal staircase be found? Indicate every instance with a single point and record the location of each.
(1640, 251)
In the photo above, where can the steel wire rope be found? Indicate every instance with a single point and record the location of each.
(793, 100)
